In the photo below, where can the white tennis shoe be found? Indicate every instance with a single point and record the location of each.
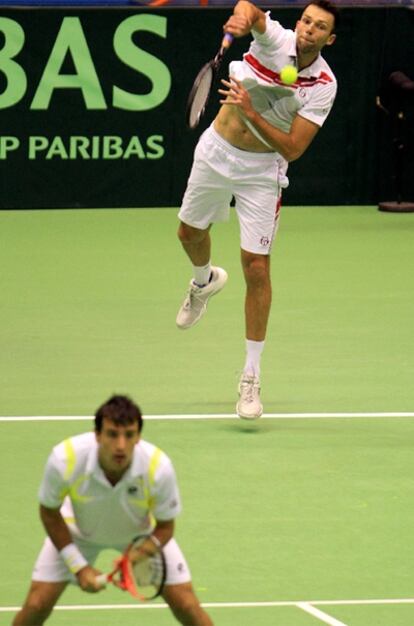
(195, 303)
(249, 406)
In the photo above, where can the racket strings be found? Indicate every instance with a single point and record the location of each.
(200, 92)
(200, 96)
(149, 575)
(147, 572)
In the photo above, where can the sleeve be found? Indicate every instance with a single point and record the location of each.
(53, 487)
(320, 105)
(167, 501)
(274, 35)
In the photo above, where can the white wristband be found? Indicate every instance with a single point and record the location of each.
(73, 558)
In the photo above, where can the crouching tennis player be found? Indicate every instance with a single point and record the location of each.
(99, 491)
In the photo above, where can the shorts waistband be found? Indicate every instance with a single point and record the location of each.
(265, 156)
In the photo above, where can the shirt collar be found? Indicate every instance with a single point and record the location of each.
(313, 70)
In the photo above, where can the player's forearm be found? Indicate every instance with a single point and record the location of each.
(248, 10)
(60, 536)
(161, 535)
(281, 142)
(55, 527)
(163, 531)
(246, 17)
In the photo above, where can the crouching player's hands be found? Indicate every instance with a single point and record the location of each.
(87, 579)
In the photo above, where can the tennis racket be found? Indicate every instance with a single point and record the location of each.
(143, 579)
(200, 91)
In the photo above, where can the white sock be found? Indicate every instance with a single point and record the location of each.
(202, 274)
(254, 351)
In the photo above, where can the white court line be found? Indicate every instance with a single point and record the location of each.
(365, 602)
(225, 605)
(321, 615)
(208, 416)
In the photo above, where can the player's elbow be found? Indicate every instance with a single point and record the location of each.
(289, 155)
(292, 153)
(289, 149)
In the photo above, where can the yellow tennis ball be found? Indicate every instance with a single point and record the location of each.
(289, 74)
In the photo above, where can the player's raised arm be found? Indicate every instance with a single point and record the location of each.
(246, 17)
(291, 145)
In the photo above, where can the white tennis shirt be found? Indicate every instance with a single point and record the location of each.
(311, 96)
(99, 512)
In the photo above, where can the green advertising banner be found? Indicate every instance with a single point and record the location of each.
(86, 108)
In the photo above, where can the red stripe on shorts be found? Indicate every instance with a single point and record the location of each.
(278, 206)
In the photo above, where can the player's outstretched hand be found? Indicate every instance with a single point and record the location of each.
(236, 94)
(238, 25)
(87, 579)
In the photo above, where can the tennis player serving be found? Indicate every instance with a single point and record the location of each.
(101, 490)
(262, 125)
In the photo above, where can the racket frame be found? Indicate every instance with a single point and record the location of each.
(122, 576)
(212, 66)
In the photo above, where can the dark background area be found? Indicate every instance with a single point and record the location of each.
(350, 161)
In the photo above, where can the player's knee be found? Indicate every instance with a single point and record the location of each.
(256, 270)
(186, 607)
(36, 610)
(189, 234)
(187, 610)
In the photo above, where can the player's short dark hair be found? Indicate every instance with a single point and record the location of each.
(121, 410)
(328, 6)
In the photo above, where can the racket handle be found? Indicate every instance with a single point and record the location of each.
(102, 580)
(227, 41)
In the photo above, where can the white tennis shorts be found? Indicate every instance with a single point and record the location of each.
(255, 179)
(50, 567)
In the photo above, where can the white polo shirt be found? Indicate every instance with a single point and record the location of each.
(98, 512)
(311, 96)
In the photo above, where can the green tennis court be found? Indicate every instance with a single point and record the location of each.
(303, 518)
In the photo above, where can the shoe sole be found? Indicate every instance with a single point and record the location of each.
(244, 416)
(249, 417)
(197, 319)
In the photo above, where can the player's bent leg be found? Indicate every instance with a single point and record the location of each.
(185, 605)
(196, 242)
(39, 604)
(197, 298)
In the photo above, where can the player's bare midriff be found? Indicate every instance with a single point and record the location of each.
(229, 125)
